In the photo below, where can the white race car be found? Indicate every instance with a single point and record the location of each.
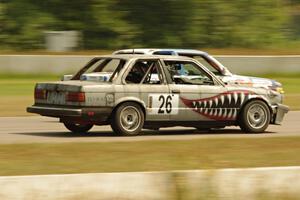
(131, 92)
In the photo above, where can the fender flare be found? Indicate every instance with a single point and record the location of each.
(257, 97)
(130, 99)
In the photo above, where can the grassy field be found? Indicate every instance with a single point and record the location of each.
(25, 159)
(17, 91)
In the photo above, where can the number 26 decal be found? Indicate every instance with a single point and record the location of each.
(166, 104)
(163, 104)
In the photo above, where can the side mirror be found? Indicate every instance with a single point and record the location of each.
(67, 77)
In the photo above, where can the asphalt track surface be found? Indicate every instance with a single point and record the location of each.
(35, 129)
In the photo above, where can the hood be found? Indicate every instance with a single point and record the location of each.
(251, 81)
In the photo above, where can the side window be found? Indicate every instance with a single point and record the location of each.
(146, 72)
(184, 72)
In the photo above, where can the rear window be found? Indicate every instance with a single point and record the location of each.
(101, 70)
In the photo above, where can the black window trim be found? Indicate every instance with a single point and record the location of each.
(132, 63)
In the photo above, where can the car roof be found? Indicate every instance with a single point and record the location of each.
(147, 56)
(144, 56)
(151, 50)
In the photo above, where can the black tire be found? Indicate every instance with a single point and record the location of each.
(133, 119)
(78, 128)
(254, 117)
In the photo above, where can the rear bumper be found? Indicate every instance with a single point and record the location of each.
(278, 113)
(87, 113)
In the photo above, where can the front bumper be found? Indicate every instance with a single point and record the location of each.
(278, 113)
(87, 113)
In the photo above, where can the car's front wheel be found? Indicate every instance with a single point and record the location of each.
(255, 117)
(78, 128)
(127, 119)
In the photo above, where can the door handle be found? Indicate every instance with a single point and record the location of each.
(175, 91)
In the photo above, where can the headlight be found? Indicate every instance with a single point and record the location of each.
(272, 93)
(280, 90)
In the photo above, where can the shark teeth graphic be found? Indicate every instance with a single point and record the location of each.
(220, 112)
(229, 98)
(225, 113)
(195, 105)
(242, 98)
(222, 99)
(210, 103)
(235, 97)
(234, 114)
(229, 114)
(216, 112)
(224, 106)
(216, 101)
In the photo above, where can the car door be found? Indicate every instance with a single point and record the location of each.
(147, 82)
(199, 93)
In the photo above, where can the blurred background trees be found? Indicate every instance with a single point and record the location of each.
(113, 24)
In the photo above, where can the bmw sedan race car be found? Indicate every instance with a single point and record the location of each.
(131, 92)
(213, 65)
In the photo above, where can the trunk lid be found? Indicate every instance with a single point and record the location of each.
(56, 93)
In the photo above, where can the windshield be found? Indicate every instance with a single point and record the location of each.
(222, 68)
(100, 69)
(210, 63)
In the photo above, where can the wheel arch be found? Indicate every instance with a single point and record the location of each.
(256, 98)
(132, 100)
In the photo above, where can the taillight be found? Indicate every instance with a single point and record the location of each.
(40, 94)
(75, 97)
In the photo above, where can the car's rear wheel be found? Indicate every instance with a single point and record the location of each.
(255, 117)
(127, 119)
(78, 128)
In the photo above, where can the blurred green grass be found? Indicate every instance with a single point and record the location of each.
(22, 84)
(17, 90)
(210, 153)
